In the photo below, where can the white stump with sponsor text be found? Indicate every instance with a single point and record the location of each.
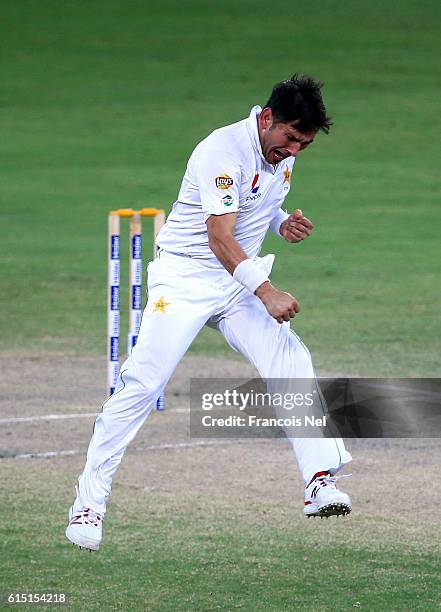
(135, 282)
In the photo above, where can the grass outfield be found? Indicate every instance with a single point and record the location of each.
(102, 103)
(199, 552)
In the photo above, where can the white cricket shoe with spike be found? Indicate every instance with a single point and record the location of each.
(85, 528)
(322, 498)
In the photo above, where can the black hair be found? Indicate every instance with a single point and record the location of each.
(299, 99)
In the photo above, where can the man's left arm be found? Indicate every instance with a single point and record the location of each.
(294, 227)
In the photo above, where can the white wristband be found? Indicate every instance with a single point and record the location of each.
(249, 274)
(277, 221)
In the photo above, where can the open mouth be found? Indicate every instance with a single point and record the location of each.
(278, 155)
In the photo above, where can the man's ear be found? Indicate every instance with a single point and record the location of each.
(266, 118)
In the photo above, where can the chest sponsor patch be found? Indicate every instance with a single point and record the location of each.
(224, 181)
(255, 184)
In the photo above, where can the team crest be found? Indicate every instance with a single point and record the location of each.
(224, 181)
(160, 305)
(287, 175)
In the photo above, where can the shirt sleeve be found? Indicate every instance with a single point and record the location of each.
(277, 221)
(218, 176)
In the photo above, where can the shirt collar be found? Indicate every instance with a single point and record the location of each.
(253, 130)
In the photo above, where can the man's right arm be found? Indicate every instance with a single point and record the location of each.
(280, 305)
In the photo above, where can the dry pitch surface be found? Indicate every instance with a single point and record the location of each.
(391, 478)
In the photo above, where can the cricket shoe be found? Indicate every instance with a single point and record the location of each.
(322, 498)
(85, 528)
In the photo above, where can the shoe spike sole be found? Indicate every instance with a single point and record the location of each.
(83, 547)
(332, 510)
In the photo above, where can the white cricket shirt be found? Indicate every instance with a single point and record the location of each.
(227, 172)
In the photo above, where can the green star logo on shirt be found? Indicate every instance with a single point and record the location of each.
(227, 200)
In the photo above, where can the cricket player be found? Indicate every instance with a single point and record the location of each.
(208, 271)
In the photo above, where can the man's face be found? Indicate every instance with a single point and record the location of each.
(281, 140)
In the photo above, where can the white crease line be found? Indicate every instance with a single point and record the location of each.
(153, 447)
(47, 455)
(46, 417)
(57, 417)
(191, 444)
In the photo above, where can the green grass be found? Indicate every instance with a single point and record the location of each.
(102, 102)
(194, 552)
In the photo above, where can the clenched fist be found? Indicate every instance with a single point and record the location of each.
(296, 227)
(279, 304)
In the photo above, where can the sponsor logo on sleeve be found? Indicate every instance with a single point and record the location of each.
(224, 181)
(227, 200)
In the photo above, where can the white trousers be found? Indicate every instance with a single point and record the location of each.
(184, 295)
